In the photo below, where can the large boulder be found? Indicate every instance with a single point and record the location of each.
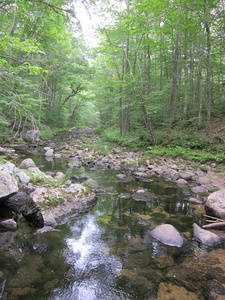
(29, 165)
(8, 181)
(168, 235)
(215, 204)
(59, 204)
(205, 237)
(31, 135)
(21, 203)
(12, 179)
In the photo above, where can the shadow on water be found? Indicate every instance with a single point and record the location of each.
(107, 253)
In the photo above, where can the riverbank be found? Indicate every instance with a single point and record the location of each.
(82, 147)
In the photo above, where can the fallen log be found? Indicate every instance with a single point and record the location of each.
(214, 218)
(214, 225)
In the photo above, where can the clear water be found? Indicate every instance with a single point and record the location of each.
(106, 253)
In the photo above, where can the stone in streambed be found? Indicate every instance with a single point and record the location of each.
(215, 204)
(186, 175)
(181, 181)
(194, 200)
(205, 237)
(198, 190)
(143, 195)
(168, 291)
(9, 224)
(168, 235)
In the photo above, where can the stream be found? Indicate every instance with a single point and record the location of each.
(108, 254)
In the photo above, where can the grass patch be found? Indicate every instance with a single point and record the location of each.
(52, 202)
(134, 140)
(45, 134)
(38, 179)
(186, 153)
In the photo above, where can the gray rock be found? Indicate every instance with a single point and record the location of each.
(143, 195)
(124, 177)
(59, 175)
(9, 224)
(194, 200)
(203, 180)
(27, 163)
(21, 203)
(49, 153)
(61, 203)
(204, 236)
(92, 184)
(76, 164)
(215, 204)
(198, 190)
(31, 135)
(186, 175)
(8, 166)
(22, 177)
(171, 173)
(8, 183)
(181, 181)
(168, 235)
(6, 239)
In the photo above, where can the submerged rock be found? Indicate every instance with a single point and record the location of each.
(187, 277)
(168, 291)
(124, 178)
(204, 236)
(214, 290)
(143, 195)
(168, 235)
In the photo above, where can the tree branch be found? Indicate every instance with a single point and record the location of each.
(75, 92)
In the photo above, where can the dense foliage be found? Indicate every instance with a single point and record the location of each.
(164, 66)
(43, 68)
(158, 69)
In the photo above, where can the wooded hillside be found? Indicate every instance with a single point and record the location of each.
(158, 69)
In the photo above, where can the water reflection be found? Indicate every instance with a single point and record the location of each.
(108, 253)
(93, 269)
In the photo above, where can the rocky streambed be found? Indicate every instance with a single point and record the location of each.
(46, 199)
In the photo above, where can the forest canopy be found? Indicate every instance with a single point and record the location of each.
(159, 66)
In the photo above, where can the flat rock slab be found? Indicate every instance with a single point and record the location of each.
(194, 200)
(205, 237)
(168, 235)
(198, 190)
(215, 204)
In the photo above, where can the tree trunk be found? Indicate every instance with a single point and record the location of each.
(174, 89)
(208, 79)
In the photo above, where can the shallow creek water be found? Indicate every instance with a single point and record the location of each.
(106, 253)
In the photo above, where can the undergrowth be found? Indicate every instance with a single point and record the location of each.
(186, 146)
